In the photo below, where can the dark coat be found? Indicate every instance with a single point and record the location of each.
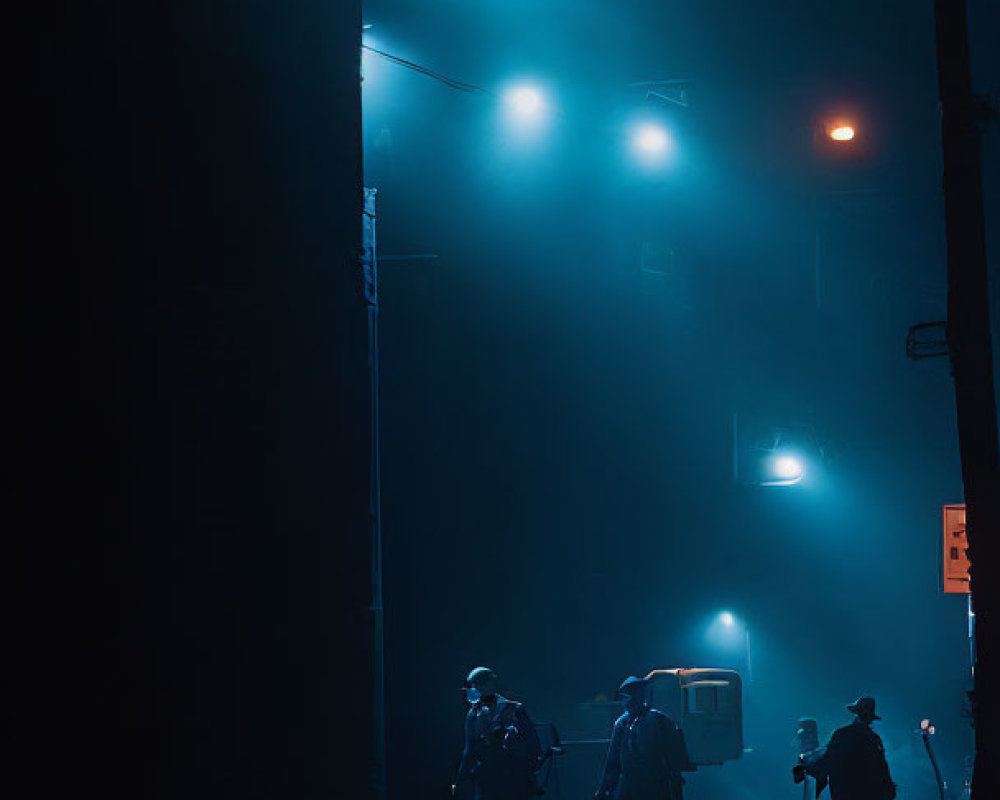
(645, 758)
(854, 765)
(502, 752)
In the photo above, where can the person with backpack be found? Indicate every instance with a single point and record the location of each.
(502, 752)
(647, 752)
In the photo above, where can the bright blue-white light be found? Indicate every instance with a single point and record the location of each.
(787, 467)
(651, 143)
(525, 101)
(784, 470)
(526, 107)
(651, 139)
(724, 630)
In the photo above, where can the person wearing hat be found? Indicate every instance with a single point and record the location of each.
(502, 751)
(647, 751)
(854, 763)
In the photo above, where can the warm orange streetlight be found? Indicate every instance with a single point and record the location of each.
(840, 133)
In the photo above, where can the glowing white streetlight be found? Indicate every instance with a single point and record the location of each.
(526, 107)
(787, 468)
(727, 630)
(651, 143)
(524, 101)
(783, 469)
(651, 139)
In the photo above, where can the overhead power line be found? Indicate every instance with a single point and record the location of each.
(462, 86)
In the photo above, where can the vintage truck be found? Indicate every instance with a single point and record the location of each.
(707, 704)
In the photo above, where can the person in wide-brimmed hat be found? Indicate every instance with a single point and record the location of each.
(854, 763)
(864, 709)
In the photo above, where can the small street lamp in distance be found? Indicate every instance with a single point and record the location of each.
(727, 629)
(841, 132)
(838, 133)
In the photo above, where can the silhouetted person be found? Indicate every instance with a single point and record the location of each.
(502, 752)
(854, 762)
(647, 751)
(808, 750)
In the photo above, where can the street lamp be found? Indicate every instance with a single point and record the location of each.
(526, 108)
(525, 102)
(839, 129)
(841, 133)
(783, 469)
(726, 628)
(651, 144)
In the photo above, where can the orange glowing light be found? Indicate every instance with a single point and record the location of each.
(841, 133)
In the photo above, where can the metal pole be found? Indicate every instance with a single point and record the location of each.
(749, 664)
(937, 770)
(817, 293)
(736, 447)
(972, 637)
(747, 691)
(370, 271)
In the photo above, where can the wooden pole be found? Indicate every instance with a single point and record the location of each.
(971, 356)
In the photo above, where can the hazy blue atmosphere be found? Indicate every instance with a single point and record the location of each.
(561, 382)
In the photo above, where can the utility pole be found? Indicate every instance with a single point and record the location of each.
(968, 336)
(369, 261)
(370, 258)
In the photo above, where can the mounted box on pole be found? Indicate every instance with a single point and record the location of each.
(955, 546)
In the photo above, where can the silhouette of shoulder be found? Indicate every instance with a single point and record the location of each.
(851, 737)
(663, 719)
(843, 734)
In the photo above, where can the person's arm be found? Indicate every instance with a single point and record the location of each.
(820, 768)
(678, 759)
(673, 751)
(612, 763)
(530, 735)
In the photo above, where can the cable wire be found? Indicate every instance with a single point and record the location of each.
(462, 86)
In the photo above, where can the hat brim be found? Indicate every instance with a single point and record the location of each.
(631, 685)
(855, 710)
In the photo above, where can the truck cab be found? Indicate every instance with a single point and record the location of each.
(707, 704)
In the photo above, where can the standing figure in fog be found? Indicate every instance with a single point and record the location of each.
(502, 752)
(647, 751)
(854, 762)
(809, 751)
